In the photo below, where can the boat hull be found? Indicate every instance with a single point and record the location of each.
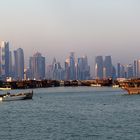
(14, 97)
(132, 90)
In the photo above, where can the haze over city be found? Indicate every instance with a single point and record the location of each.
(55, 28)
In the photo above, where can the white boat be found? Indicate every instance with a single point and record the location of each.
(115, 86)
(3, 89)
(95, 85)
(14, 97)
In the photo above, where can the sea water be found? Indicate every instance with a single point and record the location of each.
(72, 113)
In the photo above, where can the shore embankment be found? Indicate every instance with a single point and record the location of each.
(28, 84)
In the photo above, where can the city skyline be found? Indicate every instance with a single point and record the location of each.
(89, 28)
(12, 65)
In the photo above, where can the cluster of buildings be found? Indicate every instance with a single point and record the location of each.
(129, 71)
(12, 67)
(104, 69)
(74, 69)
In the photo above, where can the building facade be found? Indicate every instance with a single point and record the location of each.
(19, 64)
(37, 66)
(99, 67)
(4, 59)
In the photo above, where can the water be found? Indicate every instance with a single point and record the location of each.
(72, 113)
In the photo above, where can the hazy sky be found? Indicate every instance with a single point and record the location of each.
(57, 27)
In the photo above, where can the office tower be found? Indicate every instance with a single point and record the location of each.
(108, 67)
(72, 66)
(19, 64)
(67, 69)
(49, 72)
(10, 65)
(99, 67)
(129, 71)
(118, 70)
(137, 68)
(114, 76)
(83, 69)
(37, 66)
(122, 73)
(57, 71)
(4, 59)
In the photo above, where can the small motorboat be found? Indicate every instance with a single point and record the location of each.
(18, 96)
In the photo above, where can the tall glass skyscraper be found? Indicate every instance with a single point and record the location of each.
(99, 67)
(4, 59)
(137, 68)
(83, 69)
(37, 66)
(19, 64)
(108, 67)
(72, 66)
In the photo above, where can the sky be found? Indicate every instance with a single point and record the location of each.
(87, 27)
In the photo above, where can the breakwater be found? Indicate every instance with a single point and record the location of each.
(26, 84)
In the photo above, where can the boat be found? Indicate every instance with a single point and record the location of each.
(95, 85)
(14, 97)
(4, 88)
(132, 86)
(115, 86)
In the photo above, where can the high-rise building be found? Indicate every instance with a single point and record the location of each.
(83, 69)
(19, 64)
(4, 59)
(99, 67)
(10, 64)
(57, 71)
(119, 70)
(114, 76)
(37, 66)
(67, 69)
(137, 68)
(108, 67)
(129, 71)
(72, 66)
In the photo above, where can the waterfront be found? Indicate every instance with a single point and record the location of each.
(72, 113)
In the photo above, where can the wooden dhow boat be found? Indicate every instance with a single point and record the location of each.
(132, 86)
(14, 97)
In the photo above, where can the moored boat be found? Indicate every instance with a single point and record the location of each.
(18, 96)
(95, 85)
(5, 88)
(132, 86)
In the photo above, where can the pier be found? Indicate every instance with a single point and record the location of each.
(29, 84)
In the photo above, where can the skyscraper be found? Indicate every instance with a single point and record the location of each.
(37, 66)
(83, 69)
(72, 66)
(108, 67)
(10, 64)
(19, 64)
(99, 67)
(119, 70)
(137, 68)
(57, 71)
(129, 71)
(67, 69)
(4, 59)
